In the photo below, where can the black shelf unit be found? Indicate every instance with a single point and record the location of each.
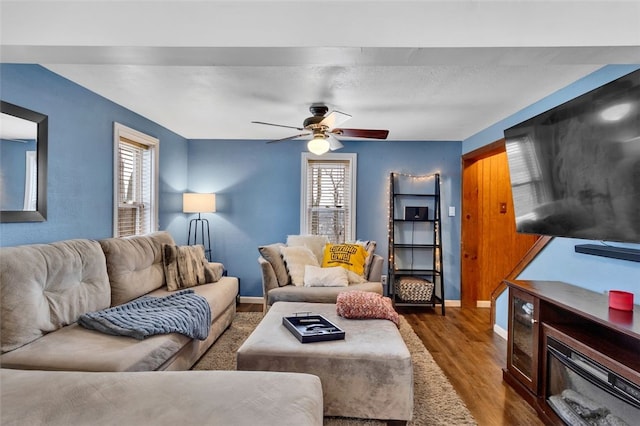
(415, 245)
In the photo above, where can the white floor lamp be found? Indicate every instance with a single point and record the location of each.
(199, 203)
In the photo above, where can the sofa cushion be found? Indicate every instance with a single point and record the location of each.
(220, 294)
(273, 255)
(57, 398)
(183, 266)
(76, 348)
(134, 265)
(315, 243)
(349, 256)
(296, 258)
(44, 287)
(291, 293)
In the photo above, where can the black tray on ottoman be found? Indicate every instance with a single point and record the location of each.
(312, 328)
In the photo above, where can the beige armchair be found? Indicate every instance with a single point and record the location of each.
(277, 281)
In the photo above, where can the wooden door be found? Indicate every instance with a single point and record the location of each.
(491, 248)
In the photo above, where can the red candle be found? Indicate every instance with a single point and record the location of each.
(622, 300)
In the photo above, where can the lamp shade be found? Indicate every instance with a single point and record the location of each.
(198, 203)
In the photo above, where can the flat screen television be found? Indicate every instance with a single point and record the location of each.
(575, 169)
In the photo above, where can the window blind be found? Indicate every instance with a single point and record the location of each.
(134, 188)
(526, 177)
(328, 203)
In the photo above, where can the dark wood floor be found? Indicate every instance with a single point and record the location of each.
(472, 357)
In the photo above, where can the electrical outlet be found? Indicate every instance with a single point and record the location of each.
(383, 280)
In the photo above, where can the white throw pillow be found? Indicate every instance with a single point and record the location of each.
(315, 276)
(315, 243)
(295, 259)
(354, 278)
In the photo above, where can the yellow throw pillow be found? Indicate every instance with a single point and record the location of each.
(350, 256)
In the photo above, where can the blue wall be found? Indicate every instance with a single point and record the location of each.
(80, 166)
(257, 185)
(559, 261)
(257, 190)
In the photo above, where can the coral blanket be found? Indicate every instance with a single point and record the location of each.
(182, 312)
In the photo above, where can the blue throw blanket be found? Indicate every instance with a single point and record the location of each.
(182, 312)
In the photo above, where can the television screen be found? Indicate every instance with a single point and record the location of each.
(575, 169)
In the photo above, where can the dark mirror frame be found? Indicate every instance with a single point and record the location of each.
(40, 213)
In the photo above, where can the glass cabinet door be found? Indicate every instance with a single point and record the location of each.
(522, 358)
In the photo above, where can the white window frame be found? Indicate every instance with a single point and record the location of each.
(121, 131)
(352, 158)
(31, 181)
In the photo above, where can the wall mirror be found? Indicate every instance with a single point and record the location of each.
(23, 164)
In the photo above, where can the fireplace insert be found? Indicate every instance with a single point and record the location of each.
(583, 391)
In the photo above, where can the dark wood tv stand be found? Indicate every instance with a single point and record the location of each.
(580, 317)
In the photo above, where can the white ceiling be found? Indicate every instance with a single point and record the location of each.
(425, 70)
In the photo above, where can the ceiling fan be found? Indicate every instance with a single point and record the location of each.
(323, 128)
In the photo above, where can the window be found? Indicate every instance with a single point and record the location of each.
(526, 177)
(31, 181)
(135, 182)
(328, 201)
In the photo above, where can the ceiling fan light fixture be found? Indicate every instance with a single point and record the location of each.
(324, 130)
(318, 145)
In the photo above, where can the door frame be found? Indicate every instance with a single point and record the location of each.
(468, 294)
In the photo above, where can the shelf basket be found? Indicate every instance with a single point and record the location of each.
(414, 289)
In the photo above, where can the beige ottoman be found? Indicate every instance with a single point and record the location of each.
(367, 375)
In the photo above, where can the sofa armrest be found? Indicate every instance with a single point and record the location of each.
(375, 272)
(269, 279)
(213, 271)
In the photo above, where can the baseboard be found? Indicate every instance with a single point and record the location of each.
(452, 303)
(483, 303)
(252, 299)
(500, 331)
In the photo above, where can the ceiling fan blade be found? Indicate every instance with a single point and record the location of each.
(334, 143)
(289, 138)
(335, 118)
(279, 125)
(362, 133)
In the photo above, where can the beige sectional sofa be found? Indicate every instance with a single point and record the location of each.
(46, 287)
(118, 380)
(160, 398)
